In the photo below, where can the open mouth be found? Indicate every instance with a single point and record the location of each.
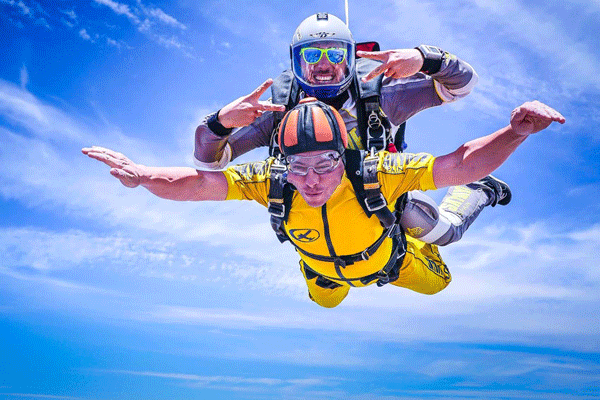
(323, 78)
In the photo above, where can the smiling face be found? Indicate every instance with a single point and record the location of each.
(324, 72)
(316, 188)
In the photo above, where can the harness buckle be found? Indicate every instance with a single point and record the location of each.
(375, 132)
(382, 278)
(394, 230)
(278, 168)
(375, 203)
(374, 121)
(277, 209)
(365, 255)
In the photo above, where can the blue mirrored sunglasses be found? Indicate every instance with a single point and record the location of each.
(313, 55)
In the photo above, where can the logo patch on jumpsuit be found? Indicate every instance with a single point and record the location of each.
(305, 235)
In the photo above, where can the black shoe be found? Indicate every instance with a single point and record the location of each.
(498, 190)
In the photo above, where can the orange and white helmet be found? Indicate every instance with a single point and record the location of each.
(312, 125)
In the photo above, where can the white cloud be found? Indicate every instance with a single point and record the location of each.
(41, 396)
(161, 16)
(120, 9)
(147, 25)
(24, 77)
(84, 35)
(69, 24)
(311, 387)
(112, 42)
(70, 13)
(507, 51)
(24, 9)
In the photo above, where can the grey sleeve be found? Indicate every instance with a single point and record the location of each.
(214, 151)
(402, 98)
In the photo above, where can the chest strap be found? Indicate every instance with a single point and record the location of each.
(364, 255)
(389, 273)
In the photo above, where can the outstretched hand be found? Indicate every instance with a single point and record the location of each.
(246, 109)
(122, 167)
(398, 63)
(532, 117)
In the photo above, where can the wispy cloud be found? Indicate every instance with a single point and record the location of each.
(70, 13)
(145, 18)
(68, 24)
(84, 35)
(24, 9)
(24, 78)
(120, 9)
(223, 379)
(538, 36)
(30, 13)
(160, 16)
(272, 387)
(504, 265)
(41, 396)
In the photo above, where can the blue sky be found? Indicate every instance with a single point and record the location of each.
(111, 293)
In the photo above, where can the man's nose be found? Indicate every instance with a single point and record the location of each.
(324, 61)
(312, 178)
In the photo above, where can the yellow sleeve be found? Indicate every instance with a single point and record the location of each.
(249, 181)
(399, 173)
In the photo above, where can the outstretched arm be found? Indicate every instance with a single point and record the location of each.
(172, 183)
(478, 158)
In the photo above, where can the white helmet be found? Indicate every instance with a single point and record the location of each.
(317, 32)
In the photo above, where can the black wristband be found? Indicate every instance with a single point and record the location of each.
(214, 125)
(432, 59)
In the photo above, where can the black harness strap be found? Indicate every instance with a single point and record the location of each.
(280, 198)
(374, 200)
(343, 261)
(361, 170)
(286, 91)
(389, 273)
(373, 124)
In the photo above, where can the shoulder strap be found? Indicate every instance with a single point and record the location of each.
(372, 87)
(373, 124)
(361, 170)
(284, 90)
(280, 198)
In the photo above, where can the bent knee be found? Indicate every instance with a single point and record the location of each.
(436, 288)
(328, 298)
(326, 303)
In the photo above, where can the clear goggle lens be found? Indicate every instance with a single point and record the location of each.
(321, 163)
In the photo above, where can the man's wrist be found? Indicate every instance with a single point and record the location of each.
(216, 126)
(432, 58)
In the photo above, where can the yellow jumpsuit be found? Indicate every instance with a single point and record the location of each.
(340, 227)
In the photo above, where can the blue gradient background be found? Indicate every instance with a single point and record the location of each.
(111, 293)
